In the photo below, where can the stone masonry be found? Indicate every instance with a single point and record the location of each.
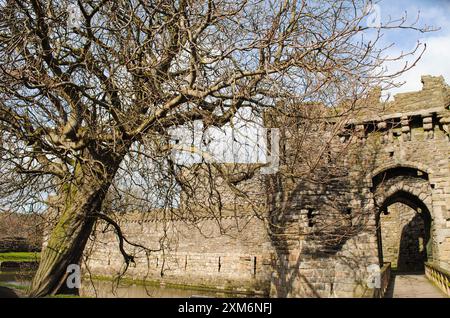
(314, 239)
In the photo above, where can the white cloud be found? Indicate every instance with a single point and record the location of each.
(435, 61)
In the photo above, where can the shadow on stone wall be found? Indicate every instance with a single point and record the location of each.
(413, 243)
(323, 224)
(309, 227)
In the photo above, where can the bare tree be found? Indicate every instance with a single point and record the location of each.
(89, 88)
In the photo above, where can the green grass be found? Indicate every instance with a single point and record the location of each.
(14, 286)
(19, 257)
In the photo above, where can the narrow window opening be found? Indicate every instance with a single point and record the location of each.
(310, 217)
(220, 265)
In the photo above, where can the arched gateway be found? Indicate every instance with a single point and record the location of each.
(403, 199)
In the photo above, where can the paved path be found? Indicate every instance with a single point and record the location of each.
(412, 286)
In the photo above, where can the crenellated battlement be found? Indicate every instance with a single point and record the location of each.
(434, 98)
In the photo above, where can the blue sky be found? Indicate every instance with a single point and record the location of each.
(436, 59)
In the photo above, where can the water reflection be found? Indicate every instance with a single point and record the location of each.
(12, 276)
(108, 289)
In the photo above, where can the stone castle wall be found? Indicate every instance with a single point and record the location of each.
(314, 239)
(237, 259)
(419, 138)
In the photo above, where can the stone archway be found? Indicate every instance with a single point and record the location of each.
(403, 201)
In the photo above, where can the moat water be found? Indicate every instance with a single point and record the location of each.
(107, 289)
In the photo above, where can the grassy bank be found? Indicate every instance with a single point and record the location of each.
(14, 286)
(19, 257)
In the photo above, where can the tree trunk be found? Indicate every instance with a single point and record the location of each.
(69, 236)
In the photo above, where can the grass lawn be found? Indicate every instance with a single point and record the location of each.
(19, 257)
(14, 286)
